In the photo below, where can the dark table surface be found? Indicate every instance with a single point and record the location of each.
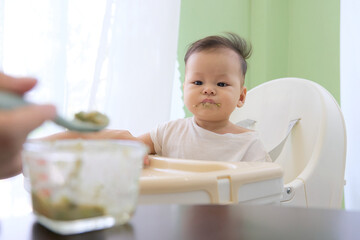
(207, 222)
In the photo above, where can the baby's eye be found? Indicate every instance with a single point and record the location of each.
(222, 84)
(198, 82)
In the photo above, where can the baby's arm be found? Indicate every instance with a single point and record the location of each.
(104, 134)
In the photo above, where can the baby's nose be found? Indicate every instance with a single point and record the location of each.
(209, 91)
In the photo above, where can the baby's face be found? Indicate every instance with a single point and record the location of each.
(212, 87)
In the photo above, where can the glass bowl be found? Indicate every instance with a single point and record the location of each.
(83, 185)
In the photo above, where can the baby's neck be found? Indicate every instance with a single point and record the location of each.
(220, 127)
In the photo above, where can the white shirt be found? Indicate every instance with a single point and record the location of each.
(184, 139)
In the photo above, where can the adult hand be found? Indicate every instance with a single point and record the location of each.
(16, 124)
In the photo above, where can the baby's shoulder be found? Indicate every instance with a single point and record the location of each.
(235, 129)
(177, 124)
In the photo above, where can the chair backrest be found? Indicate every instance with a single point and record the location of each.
(315, 150)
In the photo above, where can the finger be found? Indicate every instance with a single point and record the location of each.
(25, 119)
(146, 161)
(18, 85)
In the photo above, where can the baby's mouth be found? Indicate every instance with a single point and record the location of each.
(207, 104)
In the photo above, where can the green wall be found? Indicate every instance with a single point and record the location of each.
(290, 38)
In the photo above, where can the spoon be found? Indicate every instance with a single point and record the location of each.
(10, 101)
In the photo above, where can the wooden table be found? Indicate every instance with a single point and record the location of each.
(208, 222)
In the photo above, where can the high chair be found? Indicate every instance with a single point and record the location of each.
(303, 129)
(313, 156)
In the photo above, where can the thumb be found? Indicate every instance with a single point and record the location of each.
(26, 119)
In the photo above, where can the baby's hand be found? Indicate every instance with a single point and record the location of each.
(146, 161)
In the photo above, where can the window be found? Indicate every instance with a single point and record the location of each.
(115, 56)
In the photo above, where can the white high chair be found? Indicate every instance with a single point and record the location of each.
(302, 127)
(313, 156)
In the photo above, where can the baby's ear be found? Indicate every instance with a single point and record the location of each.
(242, 97)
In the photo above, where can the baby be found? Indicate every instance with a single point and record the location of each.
(215, 69)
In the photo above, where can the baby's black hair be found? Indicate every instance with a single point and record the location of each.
(231, 41)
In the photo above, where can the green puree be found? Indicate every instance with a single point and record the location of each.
(93, 117)
(64, 209)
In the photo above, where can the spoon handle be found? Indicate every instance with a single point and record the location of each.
(11, 100)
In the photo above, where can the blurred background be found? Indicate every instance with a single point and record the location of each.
(125, 57)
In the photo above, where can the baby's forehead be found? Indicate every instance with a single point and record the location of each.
(221, 50)
(201, 55)
(217, 51)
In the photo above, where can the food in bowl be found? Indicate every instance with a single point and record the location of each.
(83, 185)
